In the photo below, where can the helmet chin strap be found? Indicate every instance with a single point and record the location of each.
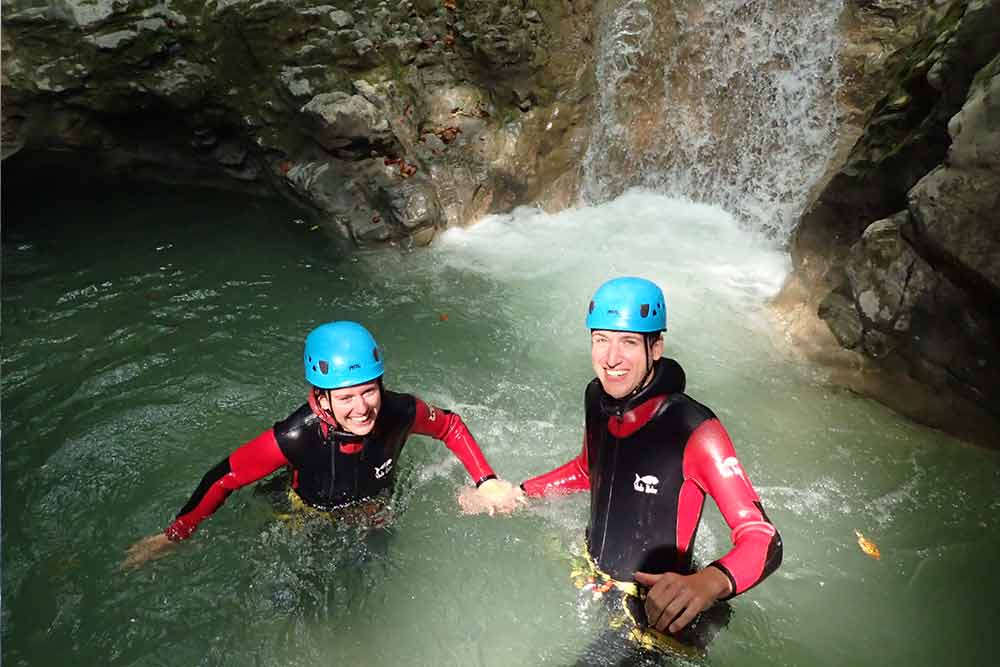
(645, 377)
(323, 415)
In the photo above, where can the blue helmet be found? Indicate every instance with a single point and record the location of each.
(628, 304)
(341, 354)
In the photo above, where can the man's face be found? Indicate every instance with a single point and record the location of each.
(620, 359)
(354, 408)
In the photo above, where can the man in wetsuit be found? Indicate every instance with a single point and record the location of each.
(342, 445)
(650, 456)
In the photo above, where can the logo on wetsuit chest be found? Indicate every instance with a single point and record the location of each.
(383, 470)
(645, 484)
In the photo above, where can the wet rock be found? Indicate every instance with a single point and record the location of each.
(842, 317)
(341, 119)
(363, 46)
(954, 212)
(204, 138)
(887, 277)
(230, 154)
(112, 40)
(341, 19)
(370, 93)
(413, 204)
(402, 49)
(247, 172)
(923, 279)
(296, 82)
(876, 344)
(324, 93)
(183, 84)
(423, 237)
(906, 135)
(326, 183)
(84, 13)
(975, 130)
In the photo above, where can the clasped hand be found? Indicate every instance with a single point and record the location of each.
(492, 496)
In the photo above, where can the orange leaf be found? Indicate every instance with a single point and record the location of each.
(867, 546)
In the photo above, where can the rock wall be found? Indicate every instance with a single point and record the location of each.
(388, 119)
(393, 119)
(899, 254)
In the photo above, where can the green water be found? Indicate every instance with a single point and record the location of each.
(146, 334)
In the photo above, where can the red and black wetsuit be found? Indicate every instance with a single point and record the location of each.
(330, 468)
(649, 463)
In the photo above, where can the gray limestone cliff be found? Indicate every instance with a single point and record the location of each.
(899, 254)
(389, 120)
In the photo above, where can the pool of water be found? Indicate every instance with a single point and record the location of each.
(146, 333)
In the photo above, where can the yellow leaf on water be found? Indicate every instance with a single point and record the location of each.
(867, 546)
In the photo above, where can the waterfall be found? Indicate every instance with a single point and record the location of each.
(727, 102)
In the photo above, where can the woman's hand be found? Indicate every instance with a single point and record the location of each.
(148, 548)
(492, 496)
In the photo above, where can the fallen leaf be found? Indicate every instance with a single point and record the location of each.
(867, 546)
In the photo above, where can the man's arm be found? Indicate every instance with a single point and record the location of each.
(674, 600)
(710, 461)
(570, 477)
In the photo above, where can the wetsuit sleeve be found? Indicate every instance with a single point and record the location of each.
(710, 462)
(568, 478)
(254, 460)
(448, 427)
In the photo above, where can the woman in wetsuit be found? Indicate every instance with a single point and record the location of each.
(342, 445)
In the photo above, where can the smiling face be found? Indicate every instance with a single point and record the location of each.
(355, 408)
(621, 359)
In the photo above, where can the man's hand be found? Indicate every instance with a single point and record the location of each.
(674, 600)
(148, 548)
(492, 496)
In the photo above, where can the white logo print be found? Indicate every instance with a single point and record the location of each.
(383, 470)
(730, 467)
(645, 484)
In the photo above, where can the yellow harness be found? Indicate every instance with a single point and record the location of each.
(372, 513)
(588, 577)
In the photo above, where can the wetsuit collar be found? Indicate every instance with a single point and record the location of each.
(662, 383)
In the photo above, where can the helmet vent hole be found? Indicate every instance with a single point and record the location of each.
(324, 367)
(591, 307)
(644, 310)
